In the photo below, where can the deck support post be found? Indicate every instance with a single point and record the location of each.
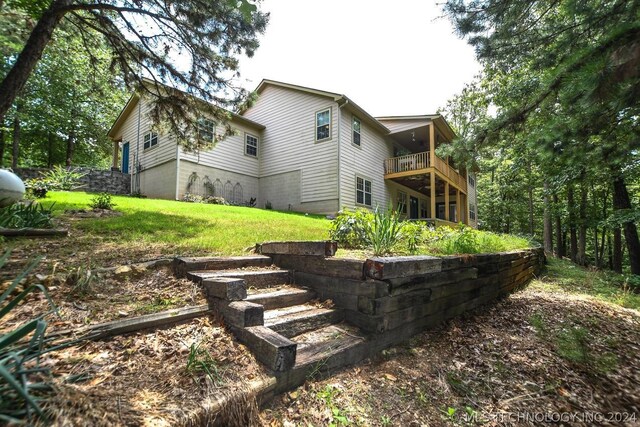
(432, 177)
(458, 206)
(446, 201)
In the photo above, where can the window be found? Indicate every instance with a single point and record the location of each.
(206, 130)
(356, 130)
(472, 182)
(251, 145)
(472, 212)
(150, 140)
(401, 202)
(323, 124)
(363, 191)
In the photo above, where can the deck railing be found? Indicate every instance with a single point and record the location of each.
(418, 161)
(410, 162)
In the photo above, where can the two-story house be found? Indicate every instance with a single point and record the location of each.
(306, 150)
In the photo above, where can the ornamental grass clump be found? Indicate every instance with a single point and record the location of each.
(384, 232)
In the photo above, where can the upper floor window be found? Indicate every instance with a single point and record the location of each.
(401, 202)
(206, 129)
(251, 145)
(356, 130)
(363, 191)
(150, 140)
(323, 124)
(472, 182)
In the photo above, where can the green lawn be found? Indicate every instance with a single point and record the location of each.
(189, 227)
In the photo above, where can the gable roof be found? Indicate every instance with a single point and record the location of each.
(135, 98)
(341, 99)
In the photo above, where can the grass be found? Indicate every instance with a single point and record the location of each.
(564, 276)
(190, 226)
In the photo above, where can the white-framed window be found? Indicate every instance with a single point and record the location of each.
(472, 182)
(472, 212)
(250, 145)
(363, 191)
(323, 124)
(150, 140)
(401, 202)
(355, 127)
(206, 129)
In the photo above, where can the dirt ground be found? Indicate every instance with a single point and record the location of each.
(530, 356)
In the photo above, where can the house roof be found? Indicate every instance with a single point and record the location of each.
(341, 99)
(438, 119)
(133, 101)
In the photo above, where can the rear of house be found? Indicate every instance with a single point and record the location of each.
(306, 150)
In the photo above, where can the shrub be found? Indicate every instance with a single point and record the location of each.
(20, 352)
(349, 228)
(37, 187)
(60, 178)
(26, 215)
(212, 200)
(102, 201)
(192, 198)
(268, 205)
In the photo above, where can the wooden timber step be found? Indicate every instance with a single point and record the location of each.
(298, 319)
(341, 344)
(183, 265)
(282, 296)
(253, 278)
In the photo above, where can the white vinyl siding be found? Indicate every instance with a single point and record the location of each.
(228, 154)
(366, 160)
(250, 145)
(288, 144)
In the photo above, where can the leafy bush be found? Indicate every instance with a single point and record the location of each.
(60, 178)
(349, 228)
(20, 352)
(37, 188)
(212, 200)
(192, 198)
(102, 201)
(26, 215)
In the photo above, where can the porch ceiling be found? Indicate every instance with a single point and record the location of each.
(422, 184)
(415, 140)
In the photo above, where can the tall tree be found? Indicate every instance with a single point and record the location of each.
(190, 44)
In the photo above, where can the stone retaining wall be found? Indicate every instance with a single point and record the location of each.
(95, 180)
(396, 297)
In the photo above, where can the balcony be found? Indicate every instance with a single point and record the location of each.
(420, 164)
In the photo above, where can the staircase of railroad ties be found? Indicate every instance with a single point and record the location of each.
(284, 325)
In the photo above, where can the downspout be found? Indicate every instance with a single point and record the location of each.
(177, 170)
(137, 157)
(346, 101)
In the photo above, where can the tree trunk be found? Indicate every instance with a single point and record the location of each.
(558, 228)
(616, 264)
(71, 142)
(15, 144)
(49, 149)
(596, 252)
(17, 77)
(546, 232)
(2, 141)
(573, 236)
(621, 201)
(581, 257)
(530, 196)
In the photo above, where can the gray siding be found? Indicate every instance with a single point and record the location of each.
(288, 144)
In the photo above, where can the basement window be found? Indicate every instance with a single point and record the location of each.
(150, 140)
(401, 202)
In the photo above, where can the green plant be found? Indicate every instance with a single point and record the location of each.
(213, 200)
(26, 215)
(60, 178)
(200, 360)
(413, 232)
(193, 198)
(37, 187)
(102, 201)
(572, 344)
(384, 232)
(328, 394)
(349, 228)
(21, 376)
(81, 281)
(385, 420)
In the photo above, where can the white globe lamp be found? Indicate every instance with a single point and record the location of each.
(11, 188)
